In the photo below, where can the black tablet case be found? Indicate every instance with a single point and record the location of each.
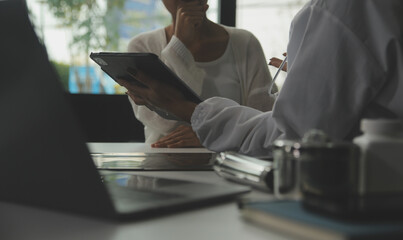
(118, 65)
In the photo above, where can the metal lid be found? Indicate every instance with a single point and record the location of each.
(313, 139)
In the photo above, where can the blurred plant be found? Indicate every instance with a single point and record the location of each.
(90, 26)
(96, 25)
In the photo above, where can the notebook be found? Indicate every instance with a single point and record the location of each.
(141, 156)
(154, 161)
(44, 159)
(291, 218)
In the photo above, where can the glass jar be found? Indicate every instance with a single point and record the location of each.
(314, 166)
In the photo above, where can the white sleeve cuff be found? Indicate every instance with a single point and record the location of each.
(179, 49)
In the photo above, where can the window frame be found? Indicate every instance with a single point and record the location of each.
(227, 12)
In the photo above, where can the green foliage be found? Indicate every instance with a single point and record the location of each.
(70, 10)
(84, 17)
(63, 71)
(94, 25)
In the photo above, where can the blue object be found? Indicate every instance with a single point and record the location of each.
(77, 81)
(290, 217)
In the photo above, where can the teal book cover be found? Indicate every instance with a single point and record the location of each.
(291, 218)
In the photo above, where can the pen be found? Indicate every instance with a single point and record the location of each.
(276, 75)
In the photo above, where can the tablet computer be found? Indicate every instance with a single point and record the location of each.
(118, 64)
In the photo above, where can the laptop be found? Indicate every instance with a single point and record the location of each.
(44, 159)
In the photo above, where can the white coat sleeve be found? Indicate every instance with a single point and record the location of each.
(330, 82)
(223, 125)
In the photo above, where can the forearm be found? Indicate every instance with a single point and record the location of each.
(183, 110)
(155, 126)
(223, 125)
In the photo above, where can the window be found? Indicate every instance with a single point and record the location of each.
(269, 21)
(71, 29)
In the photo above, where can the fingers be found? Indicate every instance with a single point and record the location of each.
(276, 62)
(184, 143)
(136, 99)
(183, 136)
(146, 83)
(193, 5)
(136, 92)
(194, 18)
(174, 137)
(142, 78)
(191, 9)
(177, 133)
(189, 17)
(152, 92)
(192, 12)
(178, 143)
(122, 82)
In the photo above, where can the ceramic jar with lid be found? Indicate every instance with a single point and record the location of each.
(381, 161)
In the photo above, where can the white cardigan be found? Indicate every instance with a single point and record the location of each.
(249, 73)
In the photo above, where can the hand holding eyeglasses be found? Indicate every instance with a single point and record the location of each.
(280, 64)
(276, 62)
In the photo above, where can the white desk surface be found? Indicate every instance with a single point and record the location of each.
(221, 221)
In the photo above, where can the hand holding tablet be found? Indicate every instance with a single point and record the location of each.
(124, 66)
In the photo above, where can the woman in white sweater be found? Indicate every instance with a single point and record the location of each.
(220, 61)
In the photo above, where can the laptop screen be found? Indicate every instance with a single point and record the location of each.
(41, 147)
(44, 159)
